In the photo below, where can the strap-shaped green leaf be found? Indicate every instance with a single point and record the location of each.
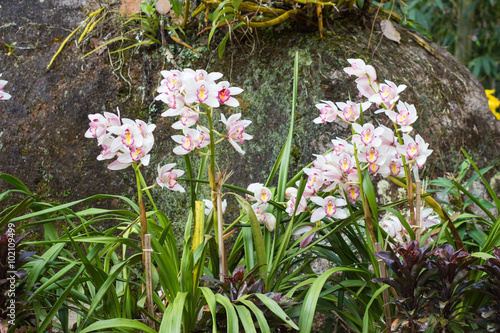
(118, 323)
(276, 309)
(309, 304)
(263, 325)
(172, 318)
(245, 319)
(232, 317)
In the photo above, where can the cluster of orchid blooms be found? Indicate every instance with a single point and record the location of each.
(3, 94)
(375, 148)
(190, 93)
(184, 92)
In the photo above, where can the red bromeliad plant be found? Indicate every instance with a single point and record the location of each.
(490, 287)
(411, 282)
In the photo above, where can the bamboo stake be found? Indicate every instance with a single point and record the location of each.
(418, 220)
(385, 294)
(220, 222)
(149, 281)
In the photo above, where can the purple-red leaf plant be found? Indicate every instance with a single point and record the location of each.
(451, 283)
(489, 286)
(242, 285)
(411, 281)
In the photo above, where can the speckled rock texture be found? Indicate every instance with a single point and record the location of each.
(42, 127)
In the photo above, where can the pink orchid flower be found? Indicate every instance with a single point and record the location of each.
(405, 116)
(351, 111)
(328, 112)
(388, 94)
(415, 149)
(226, 92)
(172, 81)
(189, 141)
(303, 230)
(263, 217)
(187, 119)
(290, 205)
(360, 69)
(261, 193)
(3, 95)
(328, 208)
(236, 130)
(366, 136)
(209, 206)
(167, 177)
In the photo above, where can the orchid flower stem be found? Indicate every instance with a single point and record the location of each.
(211, 132)
(233, 224)
(189, 171)
(202, 153)
(142, 214)
(418, 220)
(361, 115)
(221, 135)
(409, 185)
(216, 187)
(368, 218)
(218, 141)
(149, 187)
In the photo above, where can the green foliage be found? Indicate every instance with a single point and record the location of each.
(441, 19)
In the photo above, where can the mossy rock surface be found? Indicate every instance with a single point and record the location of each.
(42, 127)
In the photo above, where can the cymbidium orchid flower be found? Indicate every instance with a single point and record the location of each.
(97, 127)
(428, 220)
(127, 155)
(302, 230)
(226, 92)
(366, 136)
(263, 217)
(172, 81)
(174, 100)
(405, 116)
(261, 193)
(353, 192)
(189, 141)
(350, 111)
(236, 130)
(291, 193)
(360, 69)
(415, 149)
(314, 181)
(388, 94)
(128, 135)
(396, 167)
(167, 177)
(202, 75)
(346, 163)
(367, 87)
(203, 92)
(393, 227)
(328, 112)
(342, 146)
(3, 95)
(204, 138)
(328, 208)
(209, 206)
(386, 135)
(187, 119)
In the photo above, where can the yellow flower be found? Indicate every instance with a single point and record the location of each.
(493, 102)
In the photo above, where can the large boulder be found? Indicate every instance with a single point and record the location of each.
(42, 127)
